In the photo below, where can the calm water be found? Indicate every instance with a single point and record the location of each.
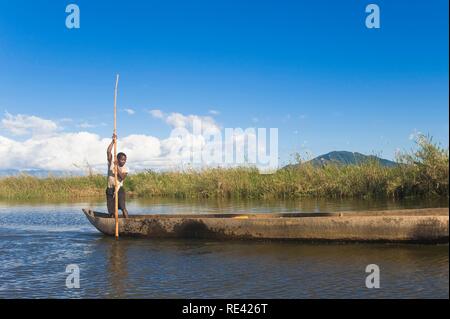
(38, 240)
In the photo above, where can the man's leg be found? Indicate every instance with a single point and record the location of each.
(110, 202)
(122, 206)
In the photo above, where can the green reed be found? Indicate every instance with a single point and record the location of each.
(420, 172)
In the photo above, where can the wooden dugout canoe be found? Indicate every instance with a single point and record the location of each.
(406, 225)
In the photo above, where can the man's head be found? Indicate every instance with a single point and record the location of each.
(121, 159)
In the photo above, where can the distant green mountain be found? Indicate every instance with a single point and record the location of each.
(346, 158)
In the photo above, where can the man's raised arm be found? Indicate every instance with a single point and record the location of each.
(108, 151)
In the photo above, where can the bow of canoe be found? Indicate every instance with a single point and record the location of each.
(407, 225)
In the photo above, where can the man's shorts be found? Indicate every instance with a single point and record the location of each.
(110, 203)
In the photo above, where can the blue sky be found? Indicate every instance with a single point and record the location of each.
(310, 68)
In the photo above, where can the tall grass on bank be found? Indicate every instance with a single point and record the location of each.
(422, 172)
(28, 187)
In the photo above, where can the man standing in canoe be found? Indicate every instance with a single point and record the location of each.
(121, 174)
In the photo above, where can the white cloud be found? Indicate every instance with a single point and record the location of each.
(129, 111)
(178, 120)
(86, 125)
(71, 151)
(59, 152)
(156, 113)
(64, 150)
(139, 147)
(213, 112)
(28, 124)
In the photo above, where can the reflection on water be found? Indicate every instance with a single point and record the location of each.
(212, 269)
(117, 268)
(38, 241)
(180, 206)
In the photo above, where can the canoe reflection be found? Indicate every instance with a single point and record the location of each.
(117, 267)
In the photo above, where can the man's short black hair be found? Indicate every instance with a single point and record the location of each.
(119, 155)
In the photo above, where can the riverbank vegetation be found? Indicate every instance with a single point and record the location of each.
(421, 172)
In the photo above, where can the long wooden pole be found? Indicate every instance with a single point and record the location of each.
(116, 186)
